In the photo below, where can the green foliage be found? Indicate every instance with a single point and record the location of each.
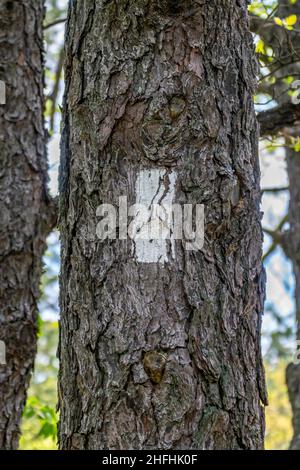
(260, 47)
(39, 416)
(287, 22)
(258, 8)
(262, 9)
(278, 413)
(44, 414)
(296, 144)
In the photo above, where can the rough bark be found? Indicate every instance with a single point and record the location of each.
(161, 355)
(24, 209)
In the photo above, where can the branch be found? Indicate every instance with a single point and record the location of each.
(275, 119)
(53, 96)
(52, 213)
(276, 236)
(275, 190)
(257, 23)
(54, 23)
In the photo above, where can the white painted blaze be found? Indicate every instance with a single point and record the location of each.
(2, 353)
(155, 190)
(2, 92)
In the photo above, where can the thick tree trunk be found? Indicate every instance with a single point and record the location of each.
(161, 353)
(23, 204)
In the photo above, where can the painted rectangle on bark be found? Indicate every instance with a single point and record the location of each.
(152, 225)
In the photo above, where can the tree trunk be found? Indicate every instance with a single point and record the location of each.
(292, 237)
(288, 49)
(293, 243)
(161, 349)
(23, 204)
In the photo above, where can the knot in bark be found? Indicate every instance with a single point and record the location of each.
(154, 363)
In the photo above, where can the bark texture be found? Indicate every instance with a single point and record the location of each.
(161, 355)
(23, 203)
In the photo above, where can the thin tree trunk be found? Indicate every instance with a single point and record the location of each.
(293, 249)
(285, 45)
(23, 204)
(288, 49)
(161, 353)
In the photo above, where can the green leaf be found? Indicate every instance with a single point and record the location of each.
(260, 47)
(47, 430)
(291, 20)
(296, 145)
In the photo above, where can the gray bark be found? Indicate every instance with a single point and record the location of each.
(24, 209)
(161, 355)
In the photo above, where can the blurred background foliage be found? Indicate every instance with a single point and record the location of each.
(278, 413)
(39, 428)
(40, 416)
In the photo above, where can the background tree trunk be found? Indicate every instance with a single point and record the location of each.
(161, 354)
(287, 49)
(292, 242)
(291, 49)
(23, 203)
